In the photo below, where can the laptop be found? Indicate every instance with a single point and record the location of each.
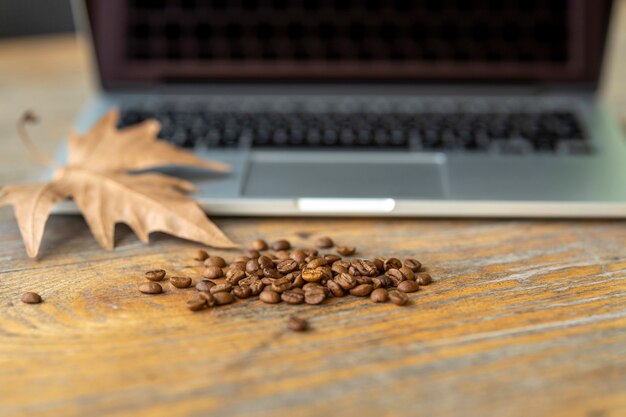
(373, 108)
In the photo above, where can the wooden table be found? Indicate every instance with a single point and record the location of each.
(526, 318)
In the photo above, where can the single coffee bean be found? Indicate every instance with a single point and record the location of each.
(310, 285)
(208, 298)
(233, 276)
(339, 268)
(270, 297)
(281, 244)
(238, 265)
(272, 273)
(201, 255)
(256, 287)
(363, 280)
(296, 324)
(252, 266)
(287, 266)
(180, 282)
(252, 254)
(242, 291)
(298, 290)
(312, 275)
(310, 252)
(362, 290)
(413, 264)
(317, 262)
(398, 298)
(259, 245)
(266, 262)
(33, 297)
(345, 250)
(155, 275)
(196, 303)
(151, 288)
(395, 276)
(364, 267)
(379, 295)
(204, 285)
(314, 295)
(281, 255)
(407, 272)
(346, 281)
(394, 263)
(335, 288)
(331, 259)
(292, 297)
(376, 283)
(213, 272)
(423, 278)
(408, 286)
(298, 255)
(281, 285)
(215, 261)
(385, 281)
(298, 282)
(224, 287)
(324, 242)
(380, 265)
(222, 298)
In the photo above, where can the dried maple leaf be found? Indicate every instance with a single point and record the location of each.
(96, 178)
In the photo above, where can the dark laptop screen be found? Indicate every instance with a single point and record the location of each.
(157, 41)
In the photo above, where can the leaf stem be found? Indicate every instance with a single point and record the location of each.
(30, 118)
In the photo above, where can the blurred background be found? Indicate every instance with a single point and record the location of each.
(34, 17)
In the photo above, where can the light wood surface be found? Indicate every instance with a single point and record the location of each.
(525, 318)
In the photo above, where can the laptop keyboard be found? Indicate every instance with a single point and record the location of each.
(515, 132)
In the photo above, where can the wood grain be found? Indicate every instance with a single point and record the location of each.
(525, 318)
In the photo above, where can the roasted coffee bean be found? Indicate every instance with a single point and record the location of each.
(292, 297)
(385, 281)
(259, 245)
(282, 284)
(233, 276)
(380, 265)
(299, 281)
(155, 275)
(309, 258)
(423, 278)
(201, 255)
(298, 290)
(335, 288)
(363, 280)
(281, 245)
(379, 295)
(311, 252)
(252, 266)
(398, 298)
(364, 267)
(265, 262)
(297, 324)
(330, 258)
(224, 287)
(266, 280)
(393, 263)
(345, 281)
(34, 298)
(362, 290)
(238, 265)
(287, 266)
(252, 254)
(312, 275)
(324, 242)
(345, 250)
(314, 295)
(180, 282)
(408, 286)
(208, 297)
(298, 255)
(213, 272)
(340, 267)
(413, 264)
(242, 291)
(222, 298)
(151, 288)
(310, 285)
(317, 262)
(376, 283)
(407, 272)
(270, 297)
(256, 287)
(395, 276)
(204, 285)
(272, 273)
(196, 303)
(215, 261)
(243, 259)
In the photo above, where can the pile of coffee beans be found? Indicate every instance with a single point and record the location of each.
(278, 273)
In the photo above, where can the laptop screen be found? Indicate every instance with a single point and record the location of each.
(191, 41)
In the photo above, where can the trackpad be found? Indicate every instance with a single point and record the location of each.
(344, 179)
